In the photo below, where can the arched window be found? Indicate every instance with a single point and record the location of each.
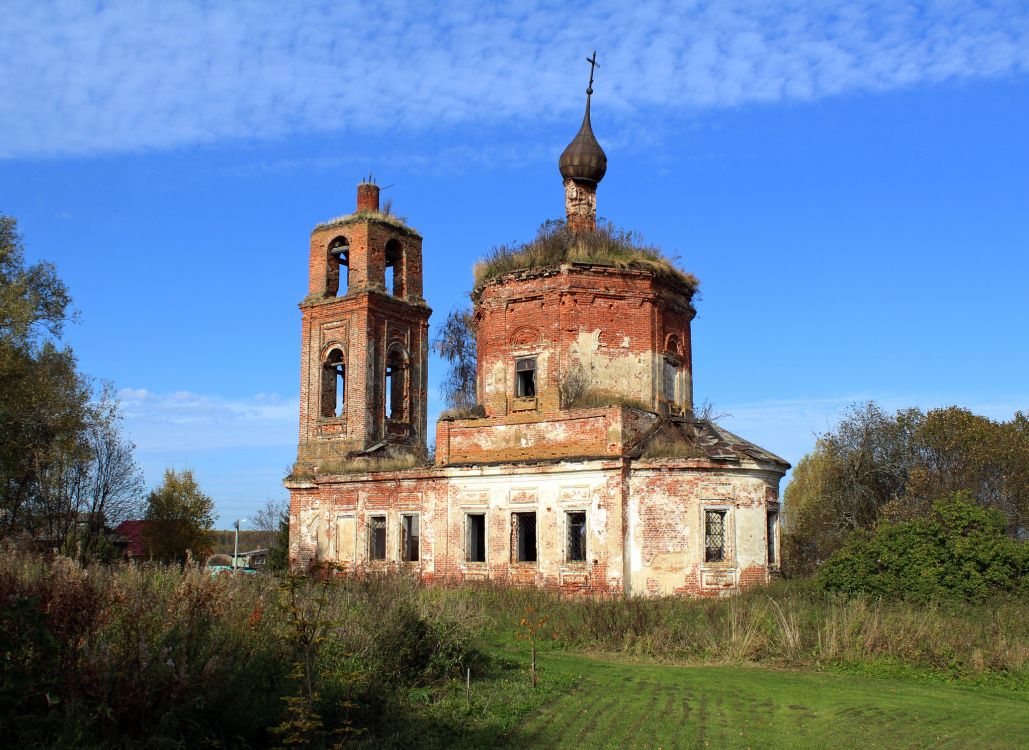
(395, 282)
(339, 267)
(334, 385)
(395, 385)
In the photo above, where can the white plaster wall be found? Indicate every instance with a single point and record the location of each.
(550, 492)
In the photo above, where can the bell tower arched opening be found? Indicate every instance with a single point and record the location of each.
(334, 385)
(395, 385)
(338, 277)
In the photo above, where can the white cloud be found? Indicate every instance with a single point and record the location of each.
(188, 422)
(84, 78)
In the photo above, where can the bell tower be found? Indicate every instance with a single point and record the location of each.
(364, 339)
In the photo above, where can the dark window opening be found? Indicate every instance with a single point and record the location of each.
(714, 536)
(377, 538)
(773, 525)
(334, 385)
(525, 374)
(576, 536)
(475, 544)
(394, 387)
(395, 268)
(523, 531)
(409, 538)
(673, 345)
(339, 268)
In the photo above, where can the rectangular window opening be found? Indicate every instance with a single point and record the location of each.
(773, 526)
(377, 538)
(475, 544)
(523, 531)
(525, 375)
(714, 536)
(409, 538)
(390, 284)
(576, 536)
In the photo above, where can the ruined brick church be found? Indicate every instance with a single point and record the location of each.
(629, 495)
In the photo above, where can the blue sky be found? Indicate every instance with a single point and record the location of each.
(849, 181)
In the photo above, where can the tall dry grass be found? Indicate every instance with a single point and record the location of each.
(152, 655)
(789, 624)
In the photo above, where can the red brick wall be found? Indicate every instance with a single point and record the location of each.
(365, 320)
(572, 433)
(630, 314)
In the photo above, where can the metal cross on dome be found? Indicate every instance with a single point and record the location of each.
(593, 66)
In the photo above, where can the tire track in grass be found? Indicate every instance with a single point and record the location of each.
(530, 732)
(616, 718)
(645, 713)
(584, 723)
(667, 738)
(685, 711)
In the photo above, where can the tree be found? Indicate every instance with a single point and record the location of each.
(42, 396)
(179, 518)
(65, 469)
(33, 301)
(455, 342)
(874, 467)
(267, 518)
(113, 482)
(278, 557)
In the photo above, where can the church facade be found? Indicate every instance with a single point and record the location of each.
(626, 494)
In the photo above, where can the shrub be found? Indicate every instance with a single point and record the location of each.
(475, 411)
(664, 445)
(961, 551)
(555, 244)
(597, 398)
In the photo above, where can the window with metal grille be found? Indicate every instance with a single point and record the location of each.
(525, 377)
(523, 529)
(475, 542)
(714, 536)
(576, 536)
(377, 538)
(409, 537)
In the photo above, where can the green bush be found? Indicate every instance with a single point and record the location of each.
(960, 552)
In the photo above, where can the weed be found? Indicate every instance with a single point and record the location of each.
(555, 244)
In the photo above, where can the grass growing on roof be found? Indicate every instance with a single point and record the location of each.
(555, 243)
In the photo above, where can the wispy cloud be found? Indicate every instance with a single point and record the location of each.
(187, 422)
(85, 78)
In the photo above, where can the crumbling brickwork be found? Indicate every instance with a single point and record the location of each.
(628, 329)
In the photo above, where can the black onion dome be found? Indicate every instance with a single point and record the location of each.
(584, 159)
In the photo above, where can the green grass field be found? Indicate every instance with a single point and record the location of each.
(620, 705)
(587, 702)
